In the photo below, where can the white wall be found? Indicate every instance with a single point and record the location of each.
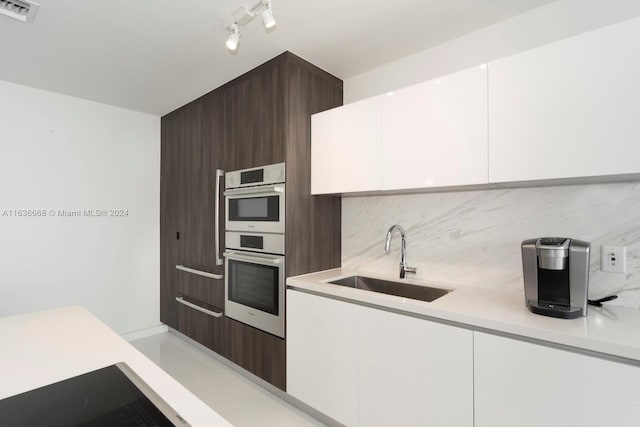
(58, 152)
(548, 23)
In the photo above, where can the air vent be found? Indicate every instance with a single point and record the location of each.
(22, 10)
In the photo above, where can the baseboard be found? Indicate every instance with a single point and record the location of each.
(144, 333)
(314, 413)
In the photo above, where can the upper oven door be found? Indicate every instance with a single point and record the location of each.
(255, 209)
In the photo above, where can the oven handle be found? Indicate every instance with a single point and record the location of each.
(265, 189)
(216, 227)
(215, 314)
(252, 258)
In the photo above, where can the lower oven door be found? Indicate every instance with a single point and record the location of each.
(254, 290)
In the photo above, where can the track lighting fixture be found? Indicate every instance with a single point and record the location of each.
(267, 15)
(22, 10)
(244, 15)
(234, 37)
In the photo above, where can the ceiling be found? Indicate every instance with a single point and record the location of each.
(156, 55)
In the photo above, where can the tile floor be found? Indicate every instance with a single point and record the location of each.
(240, 401)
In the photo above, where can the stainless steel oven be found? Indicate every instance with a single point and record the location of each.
(255, 199)
(254, 280)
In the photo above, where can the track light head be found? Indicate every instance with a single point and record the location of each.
(243, 16)
(267, 15)
(234, 37)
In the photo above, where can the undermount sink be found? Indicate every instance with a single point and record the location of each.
(405, 290)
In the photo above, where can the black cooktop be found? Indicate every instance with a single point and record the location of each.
(109, 397)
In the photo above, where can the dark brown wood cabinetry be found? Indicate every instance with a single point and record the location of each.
(259, 118)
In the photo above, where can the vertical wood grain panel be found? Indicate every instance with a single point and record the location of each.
(171, 184)
(259, 118)
(258, 352)
(255, 118)
(313, 223)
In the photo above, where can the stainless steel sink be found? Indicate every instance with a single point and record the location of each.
(422, 293)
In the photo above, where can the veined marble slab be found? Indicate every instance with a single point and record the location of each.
(473, 238)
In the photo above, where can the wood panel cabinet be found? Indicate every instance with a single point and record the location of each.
(255, 118)
(259, 118)
(171, 202)
(258, 352)
(568, 109)
(369, 367)
(207, 330)
(525, 384)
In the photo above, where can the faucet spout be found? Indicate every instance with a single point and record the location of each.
(403, 249)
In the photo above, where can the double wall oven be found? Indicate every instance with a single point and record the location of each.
(254, 247)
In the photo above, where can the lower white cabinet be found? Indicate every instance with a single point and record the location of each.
(322, 354)
(412, 372)
(526, 385)
(368, 367)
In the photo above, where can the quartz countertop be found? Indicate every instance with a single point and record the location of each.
(612, 331)
(46, 347)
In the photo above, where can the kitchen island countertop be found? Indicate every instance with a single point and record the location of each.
(49, 346)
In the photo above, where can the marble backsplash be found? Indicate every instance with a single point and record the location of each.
(473, 238)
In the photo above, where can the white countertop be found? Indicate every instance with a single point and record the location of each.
(610, 330)
(46, 347)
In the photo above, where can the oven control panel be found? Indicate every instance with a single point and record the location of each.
(255, 242)
(264, 175)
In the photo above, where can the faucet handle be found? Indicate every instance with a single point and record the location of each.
(404, 270)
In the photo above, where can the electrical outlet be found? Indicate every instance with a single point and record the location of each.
(614, 259)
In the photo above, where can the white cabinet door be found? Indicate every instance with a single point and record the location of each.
(568, 109)
(529, 385)
(434, 134)
(322, 355)
(346, 149)
(413, 372)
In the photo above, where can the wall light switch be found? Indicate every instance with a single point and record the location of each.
(614, 259)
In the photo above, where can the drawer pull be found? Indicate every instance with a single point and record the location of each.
(215, 314)
(199, 272)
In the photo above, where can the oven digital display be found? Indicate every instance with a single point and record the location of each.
(255, 176)
(252, 242)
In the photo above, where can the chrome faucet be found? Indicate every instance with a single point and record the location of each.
(404, 269)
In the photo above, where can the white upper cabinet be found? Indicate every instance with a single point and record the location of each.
(346, 149)
(434, 134)
(568, 109)
(528, 385)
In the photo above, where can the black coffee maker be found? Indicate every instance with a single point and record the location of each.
(556, 276)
